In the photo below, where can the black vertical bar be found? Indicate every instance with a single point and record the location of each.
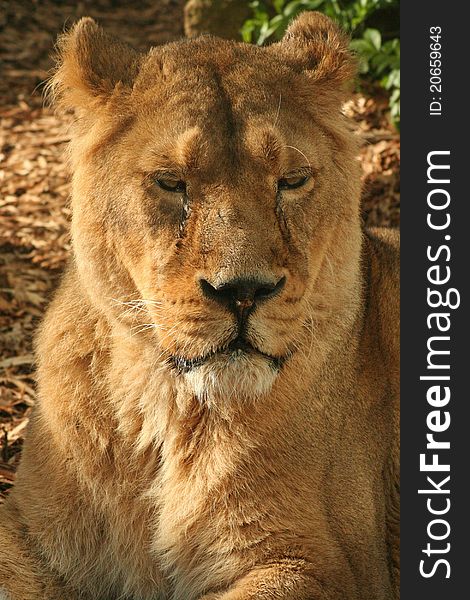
(423, 131)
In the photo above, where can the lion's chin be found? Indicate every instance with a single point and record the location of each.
(232, 376)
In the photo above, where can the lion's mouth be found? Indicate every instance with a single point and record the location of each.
(232, 351)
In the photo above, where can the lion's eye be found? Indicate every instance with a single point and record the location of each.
(290, 182)
(171, 185)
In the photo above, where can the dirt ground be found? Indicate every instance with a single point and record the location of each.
(34, 183)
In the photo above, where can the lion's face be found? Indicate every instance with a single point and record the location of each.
(211, 180)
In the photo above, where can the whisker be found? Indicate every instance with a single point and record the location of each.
(300, 152)
(278, 110)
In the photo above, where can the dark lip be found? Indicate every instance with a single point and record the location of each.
(185, 365)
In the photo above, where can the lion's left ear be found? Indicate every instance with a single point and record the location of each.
(315, 45)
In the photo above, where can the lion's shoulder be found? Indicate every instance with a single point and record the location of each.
(382, 260)
(383, 250)
(386, 243)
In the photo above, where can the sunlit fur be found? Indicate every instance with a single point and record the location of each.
(161, 463)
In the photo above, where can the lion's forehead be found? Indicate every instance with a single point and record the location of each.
(220, 106)
(215, 77)
(213, 116)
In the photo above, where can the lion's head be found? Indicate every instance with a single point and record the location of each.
(215, 195)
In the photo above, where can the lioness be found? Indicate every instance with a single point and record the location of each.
(218, 372)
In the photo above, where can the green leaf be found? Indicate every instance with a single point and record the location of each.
(364, 66)
(277, 20)
(247, 31)
(362, 47)
(373, 36)
(392, 80)
(313, 4)
(292, 7)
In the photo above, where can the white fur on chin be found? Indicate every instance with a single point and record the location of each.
(232, 377)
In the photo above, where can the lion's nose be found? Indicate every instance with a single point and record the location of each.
(241, 295)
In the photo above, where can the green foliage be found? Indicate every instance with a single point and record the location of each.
(378, 50)
(380, 61)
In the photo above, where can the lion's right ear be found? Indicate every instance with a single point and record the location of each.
(92, 67)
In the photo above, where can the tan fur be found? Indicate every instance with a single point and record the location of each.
(236, 480)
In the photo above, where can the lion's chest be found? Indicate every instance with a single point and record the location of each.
(221, 503)
(198, 532)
